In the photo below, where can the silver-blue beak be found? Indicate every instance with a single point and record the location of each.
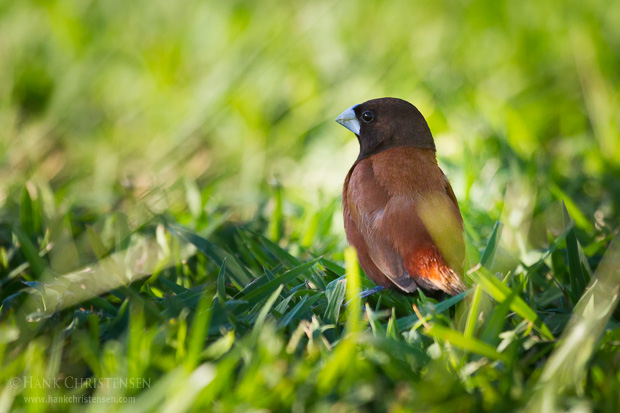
(349, 120)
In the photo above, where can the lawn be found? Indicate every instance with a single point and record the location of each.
(171, 234)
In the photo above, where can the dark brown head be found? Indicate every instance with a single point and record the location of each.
(385, 123)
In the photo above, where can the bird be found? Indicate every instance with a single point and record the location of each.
(400, 212)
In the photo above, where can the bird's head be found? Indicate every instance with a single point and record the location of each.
(385, 123)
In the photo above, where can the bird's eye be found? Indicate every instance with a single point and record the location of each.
(368, 116)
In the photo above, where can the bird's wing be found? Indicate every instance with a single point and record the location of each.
(367, 202)
(400, 231)
(445, 224)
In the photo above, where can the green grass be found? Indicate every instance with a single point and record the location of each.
(170, 217)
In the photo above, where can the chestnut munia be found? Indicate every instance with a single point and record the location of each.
(400, 213)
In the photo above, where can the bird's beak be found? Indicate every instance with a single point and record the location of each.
(349, 120)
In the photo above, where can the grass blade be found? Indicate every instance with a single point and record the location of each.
(405, 323)
(353, 290)
(466, 343)
(267, 289)
(470, 325)
(500, 292)
(37, 264)
(498, 319)
(488, 254)
(221, 283)
(262, 316)
(238, 274)
(299, 309)
(199, 330)
(577, 277)
(335, 297)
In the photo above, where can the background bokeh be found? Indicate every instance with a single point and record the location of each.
(98, 98)
(165, 164)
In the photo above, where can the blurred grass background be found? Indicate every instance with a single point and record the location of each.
(122, 120)
(98, 97)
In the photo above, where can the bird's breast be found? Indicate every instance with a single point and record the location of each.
(406, 171)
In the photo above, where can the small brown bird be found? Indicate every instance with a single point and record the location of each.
(400, 213)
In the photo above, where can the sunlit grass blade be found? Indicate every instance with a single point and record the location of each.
(373, 320)
(392, 327)
(309, 230)
(498, 319)
(500, 292)
(469, 344)
(472, 317)
(334, 292)
(486, 260)
(352, 290)
(221, 346)
(183, 392)
(405, 323)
